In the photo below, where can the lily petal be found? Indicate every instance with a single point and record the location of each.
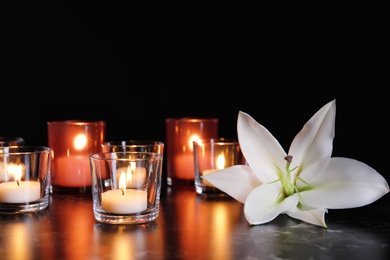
(262, 205)
(309, 215)
(259, 148)
(237, 181)
(339, 183)
(317, 182)
(315, 141)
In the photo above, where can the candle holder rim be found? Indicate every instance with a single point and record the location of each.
(76, 122)
(24, 149)
(106, 156)
(132, 143)
(192, 119)
(220, 141)
(11, 138)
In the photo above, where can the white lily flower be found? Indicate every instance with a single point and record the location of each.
(304, 183)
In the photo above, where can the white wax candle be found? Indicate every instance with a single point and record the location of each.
(131, 201)
(26, 191)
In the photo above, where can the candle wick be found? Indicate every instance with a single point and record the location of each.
(17, 183)
(123, 192)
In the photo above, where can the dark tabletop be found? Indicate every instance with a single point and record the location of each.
(193, 227)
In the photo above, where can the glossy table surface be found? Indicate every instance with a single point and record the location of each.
(193, 227)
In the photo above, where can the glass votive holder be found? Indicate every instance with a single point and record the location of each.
(180, 133)
(11, 141)
(126, 186)
(72, 142)
(133, 146)
(24, 179)
(211, 155)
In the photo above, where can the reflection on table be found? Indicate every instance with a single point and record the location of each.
(192, 227)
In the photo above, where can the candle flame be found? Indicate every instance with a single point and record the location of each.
(122, 183)
(132, 166)
(129, 175)
(191, 141)
(80, 142)
(221, 161)
(16, 171)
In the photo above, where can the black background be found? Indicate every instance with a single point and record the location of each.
(135, 66)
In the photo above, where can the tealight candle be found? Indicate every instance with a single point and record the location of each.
(211, 155)
(19, 191)
(114, 202)
(124, 201)
(220, 164)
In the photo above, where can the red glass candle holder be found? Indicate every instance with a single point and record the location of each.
(180, 134)
(72, 142)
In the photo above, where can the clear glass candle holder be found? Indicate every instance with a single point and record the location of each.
(24, 179)
(134, 146)
(72, 142)
(126, 186)
(180, 133)
(11, 141)
(211, 155)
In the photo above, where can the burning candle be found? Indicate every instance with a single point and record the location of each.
(135, 176)
(72, 143)
(180, 134)
(220, 164)
(19, 191)
(211, 155)
(124, 201)
(73, 170)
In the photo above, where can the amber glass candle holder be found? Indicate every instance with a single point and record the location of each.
(72, 142)
(180, 133)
